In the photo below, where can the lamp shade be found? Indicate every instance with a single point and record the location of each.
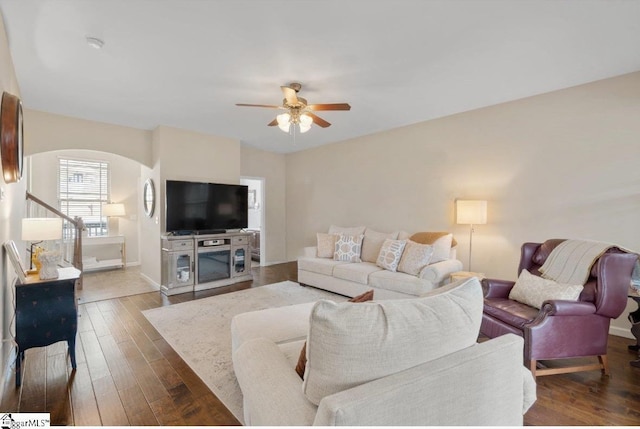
(41, 228)
(471, 212)
(110, 210)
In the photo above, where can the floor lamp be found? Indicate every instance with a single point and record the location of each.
(471, 212)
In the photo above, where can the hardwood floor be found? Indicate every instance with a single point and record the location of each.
(128, 375)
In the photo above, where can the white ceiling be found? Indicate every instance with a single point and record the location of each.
(185, 63)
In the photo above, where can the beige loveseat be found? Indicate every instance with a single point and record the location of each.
(392, 362)
(354, 278)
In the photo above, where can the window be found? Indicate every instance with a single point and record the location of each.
(83, 188)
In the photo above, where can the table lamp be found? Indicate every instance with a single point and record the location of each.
(113, 210)
(471, 212)
(36, 230)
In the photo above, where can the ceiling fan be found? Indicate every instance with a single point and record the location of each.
(298, 111)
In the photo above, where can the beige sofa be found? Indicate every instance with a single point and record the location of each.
(354, 278)
(393, 362)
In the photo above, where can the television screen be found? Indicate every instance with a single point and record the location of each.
(202, 207)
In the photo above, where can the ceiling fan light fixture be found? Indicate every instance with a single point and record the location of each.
(284, 121)
(305, 123)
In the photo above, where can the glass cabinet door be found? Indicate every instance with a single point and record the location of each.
(239, 258)
(183, 268)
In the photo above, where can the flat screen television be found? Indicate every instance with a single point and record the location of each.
(197, 207)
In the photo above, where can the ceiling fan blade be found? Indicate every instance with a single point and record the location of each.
(269, 106)
(318, 120)
(290, 95)
(273, 123)
(329, 106)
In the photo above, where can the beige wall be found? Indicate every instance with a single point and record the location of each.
(183, 155)
(125, 188)
(12, 207)
(271, 167)
(47, 131)
(563, 164)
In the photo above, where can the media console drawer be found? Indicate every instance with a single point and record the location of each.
(240, 239)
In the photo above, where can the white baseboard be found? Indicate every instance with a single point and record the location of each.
(621, 332)
(149, 280)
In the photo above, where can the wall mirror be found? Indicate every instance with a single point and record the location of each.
(11, 137)
(149, 199)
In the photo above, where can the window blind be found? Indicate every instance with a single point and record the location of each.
(83, 189)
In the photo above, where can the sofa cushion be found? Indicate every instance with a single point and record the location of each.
(318, 265)
(358, 273)
(534, 291)
(326, 244)
(302, 358)
(372, 243)
(400, 282)
(348, 248)
(349, 230)
(415, 257)
(349, 345)
(390, 254)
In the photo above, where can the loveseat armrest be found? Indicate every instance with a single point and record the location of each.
(271, 388)
(310, 252)
(440, 271)
(495, 288)
(485, 384)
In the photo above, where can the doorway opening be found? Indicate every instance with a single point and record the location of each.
(256, 218)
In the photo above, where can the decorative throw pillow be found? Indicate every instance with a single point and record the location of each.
(429, 237)
(372, 243)
(390, 254)
(348, 248)
(349, 345)
(415, 257)
(302, 359)
(326, 244)
(533, 290)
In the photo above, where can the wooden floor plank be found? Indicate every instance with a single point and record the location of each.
(149, 383)
(109, 404)
(138, 410)
(116, 361)
(96, 361)
(166, 412)
(11, 394)
(58, 400)
(34, 371)
(100, 327)
(83, 400)
(117, 330)
(130, 319)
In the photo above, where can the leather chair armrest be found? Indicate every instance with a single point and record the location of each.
(494, 288)
(567, 308)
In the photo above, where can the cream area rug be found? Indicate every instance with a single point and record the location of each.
(200, 331)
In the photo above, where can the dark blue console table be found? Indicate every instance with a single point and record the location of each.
(46, 312)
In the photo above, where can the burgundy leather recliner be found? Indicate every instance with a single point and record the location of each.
(561, 329)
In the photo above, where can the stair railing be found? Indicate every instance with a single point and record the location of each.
(72, 230)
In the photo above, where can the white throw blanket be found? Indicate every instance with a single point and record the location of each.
(571, 261)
